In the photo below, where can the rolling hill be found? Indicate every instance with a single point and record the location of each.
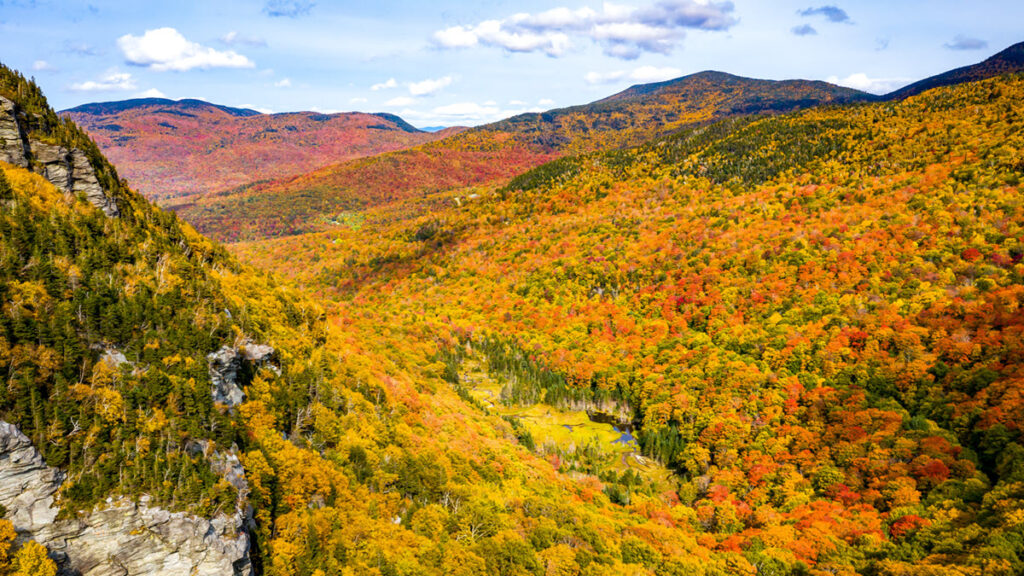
(170, 149)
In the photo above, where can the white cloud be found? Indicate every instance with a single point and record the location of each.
(558, 18)
(166, 49)
(151, 93)
(622, 31)
(643, 75)
(604, 77)
(545, 102)
(463, 113)
(233, 38)
(861, 81)
(494, 33)
(113, 80)
(516, 103)
(357, 100)
(391, 83)
(653, 74)
(466, 110)
(627, 40)
(283, 83)
(429, 86)
(42, 66)
(252, 107)
(456, 37)
(400, 101)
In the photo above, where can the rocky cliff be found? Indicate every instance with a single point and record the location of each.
(231, 369)
(68, 169)
(122, 537)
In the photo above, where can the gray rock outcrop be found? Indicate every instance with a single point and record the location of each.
(230, 369)
(13, 148)
(113, 357)
(121, 538)
(68, 170)
(27, 485)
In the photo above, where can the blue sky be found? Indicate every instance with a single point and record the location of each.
(466, 62)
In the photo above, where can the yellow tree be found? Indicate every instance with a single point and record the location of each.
(32, 560)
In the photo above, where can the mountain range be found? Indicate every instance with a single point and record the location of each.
(498, 151)
(170, 149)
(238, 174)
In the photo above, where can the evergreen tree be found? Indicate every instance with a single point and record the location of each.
(6, 192)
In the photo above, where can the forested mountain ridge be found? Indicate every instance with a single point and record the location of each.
(497, 151)
(814, 317)
(186, 104)
(171, 150)
(645, 111)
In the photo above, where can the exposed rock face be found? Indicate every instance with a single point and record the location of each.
(27, 484)
(123, 538)
(231, 368)
(12, 143)
(68, 170)
(224, 367)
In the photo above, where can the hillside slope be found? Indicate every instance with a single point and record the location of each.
(498, 151)
(170, 411)
(814, 319)
(168, 149)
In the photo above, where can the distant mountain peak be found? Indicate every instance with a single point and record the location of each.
(399, 121)
(110, 108)
(725, 79)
